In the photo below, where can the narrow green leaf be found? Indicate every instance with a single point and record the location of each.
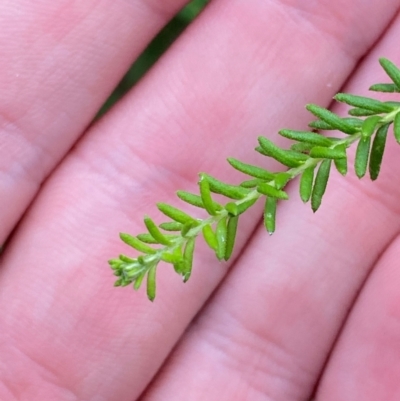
(321, 181)
(341, 165)
(332, 119)
(355, 122)
(127, 259)
(387, 88)
(357, 112)
(180, 266)
(132, 272)
(363, 102)
(243, 206)
(306, 183)
(232, 208)
(231, 236)
(302, 147)
(260, 150)
(188, 258)
(251, 170)
(281, 179)
(391, 70)
(174, 213)
(151, 283)
(139, 280)
(270, 215)
(369, 126)
(250, 183)
(146, 238)
(230, 191)
(115, 263)
(221, 233)
(136, 244)
(394, 104)
(171, 226)
(378, 147)
(210, 237)
(322, 125)
(306, 136)
(272, 192)
(192, 199)
(288, 158)
(319, 152)
(155, 232)
(205, 194)
(396, 127)
(362, 154)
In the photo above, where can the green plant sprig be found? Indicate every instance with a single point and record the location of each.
(310, 157)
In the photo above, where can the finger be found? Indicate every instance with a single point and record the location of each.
(365, 361)
(114, 340)
(59, 62)
(270, 328)
(364, 358)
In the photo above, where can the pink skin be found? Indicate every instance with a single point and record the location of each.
(279, 321)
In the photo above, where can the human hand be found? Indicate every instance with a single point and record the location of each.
(267, 326)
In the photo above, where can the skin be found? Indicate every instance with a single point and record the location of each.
(312, 311)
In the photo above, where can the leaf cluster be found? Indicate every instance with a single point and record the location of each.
(311, 156)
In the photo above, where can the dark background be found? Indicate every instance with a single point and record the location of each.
(155, 49)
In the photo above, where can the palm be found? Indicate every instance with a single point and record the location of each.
(243, 69)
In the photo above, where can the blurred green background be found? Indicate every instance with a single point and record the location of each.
(155, 49)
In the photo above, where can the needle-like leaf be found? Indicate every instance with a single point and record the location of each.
(378, 147)
(362, 155)
(321, 181)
